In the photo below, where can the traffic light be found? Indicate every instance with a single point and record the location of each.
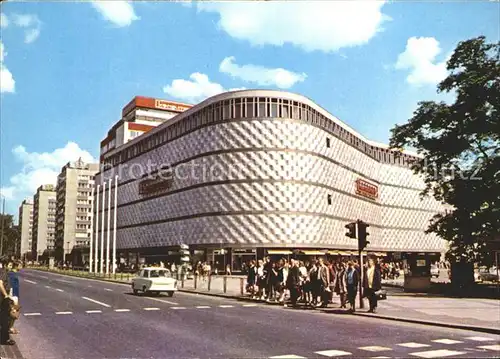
(351, 230)
(362, 234)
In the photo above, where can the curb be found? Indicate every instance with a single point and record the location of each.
(436, 324)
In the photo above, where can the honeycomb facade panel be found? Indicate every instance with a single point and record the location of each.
(244, 180)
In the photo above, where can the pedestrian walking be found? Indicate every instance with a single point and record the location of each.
(323, 277)
(293, 281)
(352, 282)
(5, 306)
(340, 283)
(371, 284)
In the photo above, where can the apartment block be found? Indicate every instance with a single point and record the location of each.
(74, 207)
(25, 226)
(44, 216)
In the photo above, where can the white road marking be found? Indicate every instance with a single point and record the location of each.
(31, 314)
(332, 353)
(48, 286)
(249, 305)
(291, 356)
(122, 310)
(495, 347)
(64, 312)
(162, 300)
(42, 276)
(440, 353)
(59, 290)
(375, 348)
(177, 307)
(93, 311)
(29, 281)
(480, 339)
(203, 307)
(63, 280)
(109, 290)
(151, 308)
(89, 286)
(97, 302)
(447, 341)
(226, 306)
(413, 345)
(381, 357)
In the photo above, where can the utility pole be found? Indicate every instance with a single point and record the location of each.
(3, 226)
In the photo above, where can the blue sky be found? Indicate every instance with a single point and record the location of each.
(68, 68)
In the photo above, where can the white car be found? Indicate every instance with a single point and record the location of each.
(154, 280)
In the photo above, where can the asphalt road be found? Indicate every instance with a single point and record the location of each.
(67, 317)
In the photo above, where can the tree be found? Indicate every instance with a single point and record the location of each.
(11, 235)
(460, 143)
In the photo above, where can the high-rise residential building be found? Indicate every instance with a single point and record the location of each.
(44, 217)
(25, 226)
(74, 207)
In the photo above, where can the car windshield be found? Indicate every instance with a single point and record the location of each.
(159, 274)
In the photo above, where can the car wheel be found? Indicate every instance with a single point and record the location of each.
(170, 293)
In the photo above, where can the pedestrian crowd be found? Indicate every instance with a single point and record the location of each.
(9, 296)
(314, 283)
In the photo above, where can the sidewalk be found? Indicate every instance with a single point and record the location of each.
(466, 313)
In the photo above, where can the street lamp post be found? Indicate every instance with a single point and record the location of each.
(114, 224)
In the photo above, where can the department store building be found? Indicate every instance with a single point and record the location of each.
(258, 172)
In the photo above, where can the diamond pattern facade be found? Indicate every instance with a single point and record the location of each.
(268, 182)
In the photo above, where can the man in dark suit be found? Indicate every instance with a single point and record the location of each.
(352, 282)
(324, 282)
(372, 282)
(293, 281)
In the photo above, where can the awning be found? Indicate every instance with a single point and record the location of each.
(278, 251)
(313, 253)
(334, 253)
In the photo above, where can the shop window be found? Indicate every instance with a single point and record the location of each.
(328, 142)
(329, 199)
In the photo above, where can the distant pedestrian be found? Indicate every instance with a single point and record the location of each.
(340, 283)
(352, 282)
(323, 277)
(293, 281)
(371, 284)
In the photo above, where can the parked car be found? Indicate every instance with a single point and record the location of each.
(490, 275)
(154, 280)
(434, 271)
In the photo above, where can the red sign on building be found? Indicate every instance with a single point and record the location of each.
(366, 189)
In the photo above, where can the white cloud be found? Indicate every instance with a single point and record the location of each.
(7, 83)
(31, 24)
(120, 13)
(420, 58)
(40, 168)
(260, 75)
(325, 25)
(31, 35)
(196, 89)
(4, 21)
